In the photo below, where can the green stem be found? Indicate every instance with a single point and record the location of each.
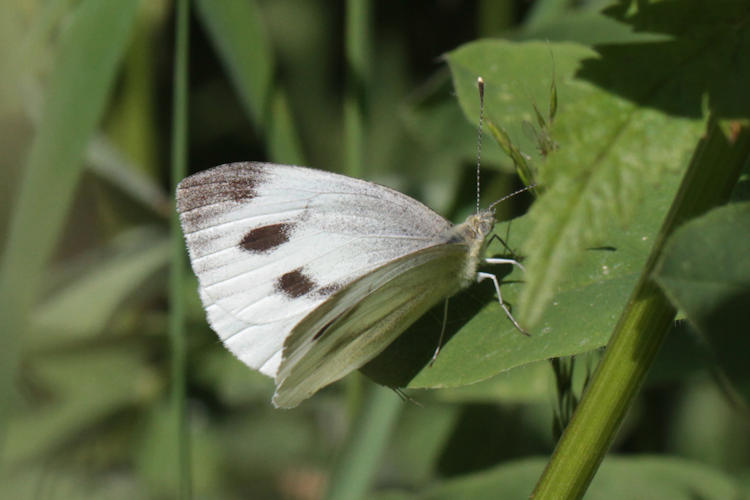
(358, 74)
(177, 268)
(75, 100)
(358, 462)
(711, 175)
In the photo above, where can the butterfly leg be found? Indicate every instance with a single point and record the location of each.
(505, 261)
(502, 242)
(487, 276)
(442, 332)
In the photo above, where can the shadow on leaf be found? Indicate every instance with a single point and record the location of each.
(705, 57)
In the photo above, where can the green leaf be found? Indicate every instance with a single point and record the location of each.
(640, 330)
(154, 449)
(482, 342)
(609, 151)
(517, 76)
(84, 306)
(527, 384)
(106, 161)
(681, 358)
(238, 33)
(419, 440)
(92, 47)
(698, 63)
(357, 463)
(586, 25)
(530, 383)
(83, 389)
(705, 272)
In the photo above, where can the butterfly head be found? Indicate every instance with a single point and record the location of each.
(484, 222)
(472, 232)
(475, 229)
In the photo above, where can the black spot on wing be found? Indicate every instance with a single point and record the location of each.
(233, 182)
(295, 284)
(266, 238)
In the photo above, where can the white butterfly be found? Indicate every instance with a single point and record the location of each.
(307, 275)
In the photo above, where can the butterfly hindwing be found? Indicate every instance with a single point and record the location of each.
(271, 243)
(360, 321)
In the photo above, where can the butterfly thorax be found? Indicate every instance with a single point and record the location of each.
(472, 232)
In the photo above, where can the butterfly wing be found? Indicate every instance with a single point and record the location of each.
(360, 321)
(270, 243)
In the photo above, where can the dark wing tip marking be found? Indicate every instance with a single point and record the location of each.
(263, 239)
(233, 182)
(295, 284)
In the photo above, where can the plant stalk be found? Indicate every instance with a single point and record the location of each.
(178, 347)
(713, 171)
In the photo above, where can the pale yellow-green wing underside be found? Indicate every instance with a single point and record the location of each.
(361, 320)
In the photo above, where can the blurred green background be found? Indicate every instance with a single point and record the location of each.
(354, 87)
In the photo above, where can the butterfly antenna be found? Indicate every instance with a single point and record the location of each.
(480, 86)
(511, 195)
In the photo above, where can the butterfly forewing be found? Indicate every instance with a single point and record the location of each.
(360, 321)
(270, 243)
